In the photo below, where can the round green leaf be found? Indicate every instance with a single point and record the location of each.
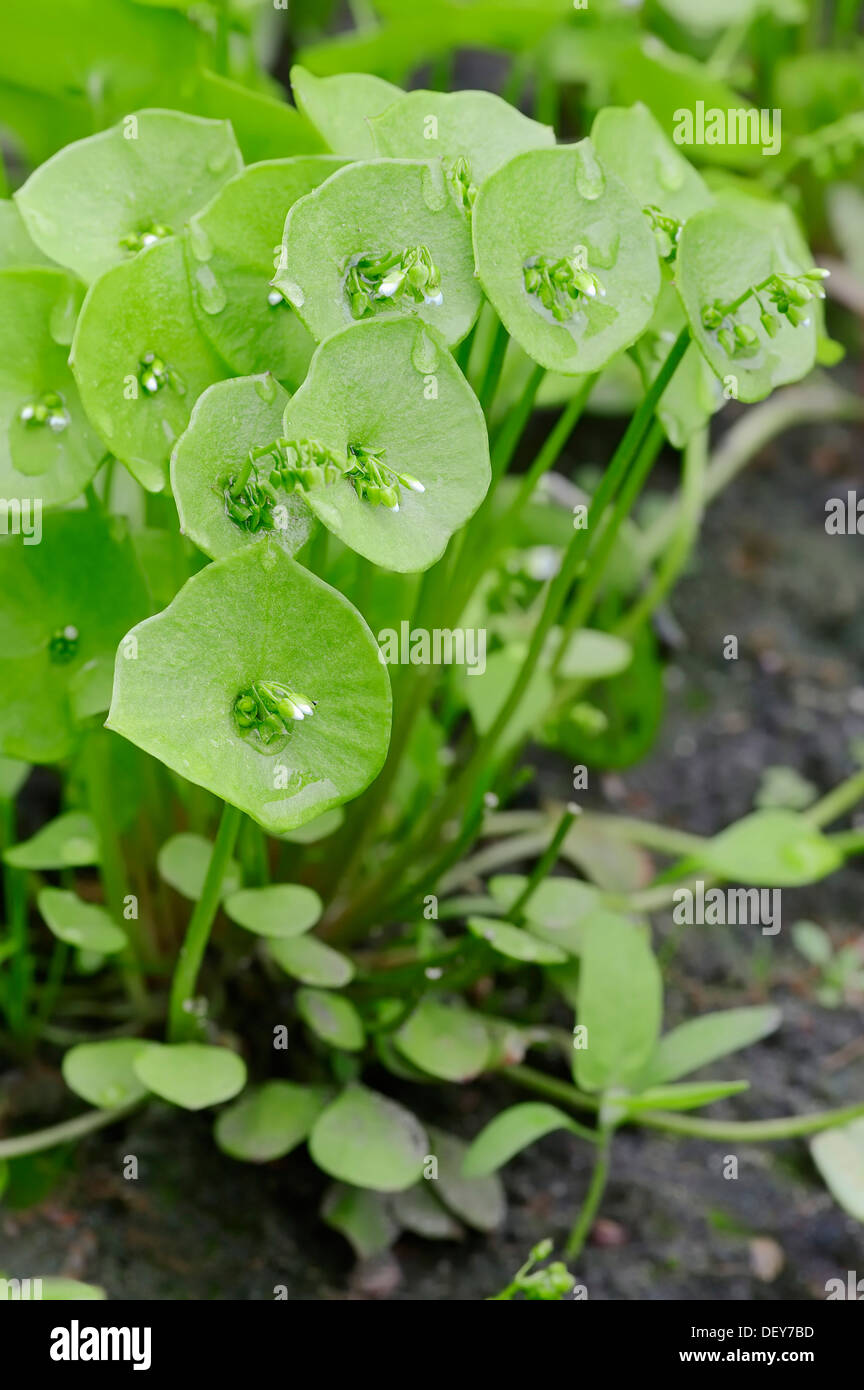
(16, 245)
(257, 617)
(559, 204)
(722, 254)
(269, 1121)
(633, 144)
(67, 603)
(280, 909)
(418, 1209)
(595, 656)
(777, 848)
(142, 178)
(103, 1073)
(183, 862)
(340, 107)
(317, 829)
(141, 360)
(444, 1041)
(368, 387)
(509, 1133)
(313, 962)
(369, 1141)
(67, 842)
(382, 207)
(230, 255)
(514, 943)
(191, 1075)
(479, 1201)
(229, 419)
(475, 126)
(49, 452)
(334, 1019)
(84, 925)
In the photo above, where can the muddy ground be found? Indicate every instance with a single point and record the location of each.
(196, 1225)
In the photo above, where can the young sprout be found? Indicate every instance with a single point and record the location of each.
(667, 232)
(266, 711)
(789, 295)
(63, 645)
(382, 276)
(148, 236)
(154, 373)
(560, 284)
(49, 409)
(374, 481)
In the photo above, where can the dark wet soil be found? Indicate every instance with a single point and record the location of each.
(197, 1225)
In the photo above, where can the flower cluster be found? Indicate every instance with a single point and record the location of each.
(381, 277)
(559, 285)
(266, 711)
(374, 481)
(788, 294)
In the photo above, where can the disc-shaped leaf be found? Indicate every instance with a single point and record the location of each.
(49, 452)
(777, 848)
(702, 1040)
(83, 925)
(67, 603)
(620, 1003)
(141, 360)
(67, 842)
(369, 1141)
(839, 1156)
(230, 253)
(364, 1218)
(477, 127)
(515, 943)
(191, 1075)
(97, 201)
(633, 144)
(183, 862)
(723, 255)
(510, 1132)
(256, 618)
(548, 207)
(313, 962)
(229, 419)
(103, 1073)
(478, 1201)
(269, 1121)
(339, 107)
(444, 1040)
(381, 208)
(279, 909)
(367, 389)
(333, 1018)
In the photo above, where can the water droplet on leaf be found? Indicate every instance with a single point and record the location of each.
(211, 295)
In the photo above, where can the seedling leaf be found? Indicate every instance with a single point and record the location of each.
(269, 1121)
(369, 1141)
(278, 910)
(191, 1075)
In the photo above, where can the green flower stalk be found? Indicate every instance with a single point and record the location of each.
(789, 295)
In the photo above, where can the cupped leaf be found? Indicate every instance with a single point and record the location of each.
(103, 1073)
(368, 402)
(620, 1003)
(685, 1095)
(776, 848)
(141, 360)
(472, 133)
(67, 603)
(183, 862)
(566, 256)
(380, 238)
(100, 200)
(632, 143)
(515, 943)
(313, 962)
(332, 1018)
(702, 1040)
(191, 1075)
(511, 1131)
(230, 419)
(83, 925)
(269, 1121)
(369, 1141)
(477, 1200)
(726, 274)
(839, 1156)
(364, 1218)
(339, 107)
(67, 842)
(279, 909)
(231, 247)
(264, 641)
(444, 1040)
(49, 452)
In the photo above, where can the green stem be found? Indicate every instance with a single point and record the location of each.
(15, 898)
(494, 364)
(64, 1133)
(837, 802)
(594, 1196)
(544, 865)
(96, 761)
(181, 1024)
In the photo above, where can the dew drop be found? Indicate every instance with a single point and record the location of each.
(202, 246)
(433, 186)
(217, 161)
(424, 353)
(670, 173)
(275, 298)
(265, 388)
(590, 179)
(64, 315)
(211, 295)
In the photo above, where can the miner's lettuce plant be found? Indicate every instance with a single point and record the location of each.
(269, 409)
